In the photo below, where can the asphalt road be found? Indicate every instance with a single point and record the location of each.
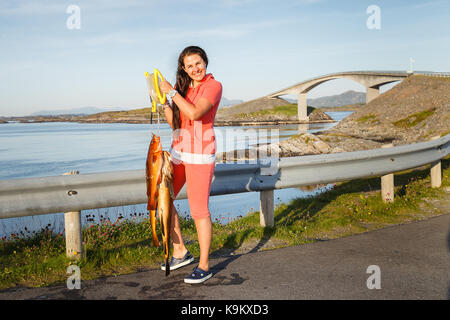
(413, 261)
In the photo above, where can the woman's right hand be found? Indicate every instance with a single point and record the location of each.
(165, 86)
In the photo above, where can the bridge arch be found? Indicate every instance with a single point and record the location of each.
(371, 80)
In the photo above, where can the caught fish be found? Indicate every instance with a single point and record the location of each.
(153, 178)
(165, 201)
(159, 178)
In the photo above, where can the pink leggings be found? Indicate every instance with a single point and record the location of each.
(198, 178)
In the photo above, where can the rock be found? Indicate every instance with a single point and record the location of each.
(301, 144)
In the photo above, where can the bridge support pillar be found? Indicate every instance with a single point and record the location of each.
(302, 107)
(372, 93)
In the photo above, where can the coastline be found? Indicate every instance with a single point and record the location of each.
(218, 123)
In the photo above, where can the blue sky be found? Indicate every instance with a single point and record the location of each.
(255, 47)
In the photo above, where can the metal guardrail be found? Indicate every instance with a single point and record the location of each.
(72, 193)
(34, 196)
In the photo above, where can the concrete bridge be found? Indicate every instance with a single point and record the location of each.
(372, 80)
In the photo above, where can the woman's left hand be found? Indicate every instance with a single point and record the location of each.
(165, 86)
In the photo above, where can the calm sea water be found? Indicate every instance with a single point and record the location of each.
(49, 149)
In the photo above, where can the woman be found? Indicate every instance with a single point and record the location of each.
(194, 105)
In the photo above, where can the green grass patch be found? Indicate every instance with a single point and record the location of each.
(144, 112)
(414, 119)
(124, 246)
(369, 118)
(286, 110)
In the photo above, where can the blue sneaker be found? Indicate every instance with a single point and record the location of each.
(178, 263)
(198, 276)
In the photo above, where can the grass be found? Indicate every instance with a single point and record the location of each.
(414, 119)
(124, 246)
(369, 118)
(142, 113)
(286, 110)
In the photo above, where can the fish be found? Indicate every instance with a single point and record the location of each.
(159, 179)
(165, 202)
(153, 179)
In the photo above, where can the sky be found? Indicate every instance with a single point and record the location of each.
(55, 57)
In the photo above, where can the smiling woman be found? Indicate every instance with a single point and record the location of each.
(194, 106)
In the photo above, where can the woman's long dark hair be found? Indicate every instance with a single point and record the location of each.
(183, 79)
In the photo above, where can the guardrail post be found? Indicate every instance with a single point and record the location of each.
(435, 171)
(387, 183)
(72, 222)
(266, 208)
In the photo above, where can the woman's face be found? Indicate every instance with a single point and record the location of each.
(195, 67)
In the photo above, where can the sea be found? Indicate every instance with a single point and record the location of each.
(52, 148)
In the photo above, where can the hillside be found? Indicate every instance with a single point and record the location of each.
(129, 116)
(268, 109)
(250, 106)
(415, 110)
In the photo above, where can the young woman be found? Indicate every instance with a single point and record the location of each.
(194, 105)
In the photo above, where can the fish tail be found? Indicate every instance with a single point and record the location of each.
(167, 267)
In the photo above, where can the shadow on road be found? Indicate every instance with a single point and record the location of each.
(308, 208)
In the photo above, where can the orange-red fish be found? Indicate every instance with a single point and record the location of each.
(165, 201)
(159, 178)
(153, 178)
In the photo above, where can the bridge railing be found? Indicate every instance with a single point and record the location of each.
(73, 193)
(433, 74)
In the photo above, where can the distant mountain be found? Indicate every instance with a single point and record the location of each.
(343, 99)
(77, 111)
(225, 103)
